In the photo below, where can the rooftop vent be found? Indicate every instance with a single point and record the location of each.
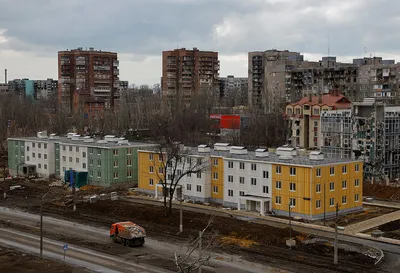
(69, 135)
(54, 136)
(203, 148)
(286, 152)
(42, 135)
(316, 155)
(238, 150)
(102, 141)
(76, 137)
(110, 138)
(123, 141)
(221, 146)
(88, 139)
(261, 153)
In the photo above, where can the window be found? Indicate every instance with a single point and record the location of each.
(253, 181)
(45, 156)
(331, 202)
(33, 155)
(241, 165)
(189, 187)
(357, 182)
(91, 173)
(129, 151)
(356, 197)
(189, 160)
(199, 161)
(215, 161)
(198, 188)
(241, 180)
(151, 157)
(160, 157)
(77, 160)
(230, 193)
(344, 184)
(253, 167)
(115, 163)
(27, 158)
(151, 181)
(129, 174)
(265, 174)
(99, 174)
(332, 186)
(151, 169)
(70, 159)
(63, 147)
(344, 199)
(215, 189)
(241, 193)
(27, 148)
(332, 171)
(115, 175)
(84, 154)
(39, 155)
(278, 200)
(45, 166)
(189, 174)
(39, 166)
(129, 162)
(115, 152)
(45, 145)
(230, 164)
(318, 188)
(64, 158)
(265, 189)
(99, 163)
(84, 165)
(318, 204)
(318, 172)
(39, 145)
(215, 176)
(316, 113)
(292, 202)
(199, 175)
(77, 149)
(179, 172)
(292, 171)
(278, 170)
(33, 145)
(169, 176)
(91, 161)
(230, 178)
(64, 169)
(344, 169)
(160, 170)
(91, 150)
(292, 186)
(70, 148)
(98, 151)
(357, 167)
(278, 185)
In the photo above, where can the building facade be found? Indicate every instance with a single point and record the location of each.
(34, 89)
(108, 162)
(265, 182)
(304, 117)
(89, 71)
(186, 73)
(233, 91)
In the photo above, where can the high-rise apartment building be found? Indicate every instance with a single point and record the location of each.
(88, 71)
(186, 73)
(233, 91)
(34, 89)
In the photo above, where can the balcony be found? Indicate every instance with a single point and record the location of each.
(65, 80)
(102, 90)
(116, 63)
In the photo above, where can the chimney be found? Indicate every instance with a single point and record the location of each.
(309, 97)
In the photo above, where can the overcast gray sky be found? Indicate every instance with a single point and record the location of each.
(32, 31)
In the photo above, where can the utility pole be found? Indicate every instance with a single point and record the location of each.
(200, 235)
(41, 226)
(335, 255)
(324, 204)
(290, 221)
(180, 216)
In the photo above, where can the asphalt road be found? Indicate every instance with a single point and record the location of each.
(152, 251)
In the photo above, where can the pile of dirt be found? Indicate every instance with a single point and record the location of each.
(381, 191)
(18, 262)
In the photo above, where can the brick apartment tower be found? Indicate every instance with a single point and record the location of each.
(187, 72)
(89, 72)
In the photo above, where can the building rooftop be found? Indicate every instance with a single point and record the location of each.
(333, 100)
(80, 142)
(299, 160)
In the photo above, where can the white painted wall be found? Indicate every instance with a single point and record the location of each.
(37, 153)
(247, 173)
(75, 152)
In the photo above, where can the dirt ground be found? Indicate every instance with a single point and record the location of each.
(391, 229)
(381, 191)
(14, 261)
(232, 236)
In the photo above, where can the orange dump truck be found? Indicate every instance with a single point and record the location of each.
(127, 233)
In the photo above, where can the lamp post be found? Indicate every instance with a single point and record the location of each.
(335, 255)
(41, 225)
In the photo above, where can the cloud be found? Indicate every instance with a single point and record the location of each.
(139, 30)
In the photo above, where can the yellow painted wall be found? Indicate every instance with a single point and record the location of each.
(144, 163)
(220, 181)
(305, 176)
(302, 189)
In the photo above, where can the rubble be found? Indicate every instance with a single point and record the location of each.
(57, 183)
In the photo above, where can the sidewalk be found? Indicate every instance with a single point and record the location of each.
(372, 223)
(384, 204)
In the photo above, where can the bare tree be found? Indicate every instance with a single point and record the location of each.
(176, 162)
(203, 244)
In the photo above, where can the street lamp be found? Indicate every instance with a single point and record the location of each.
(41, 225)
